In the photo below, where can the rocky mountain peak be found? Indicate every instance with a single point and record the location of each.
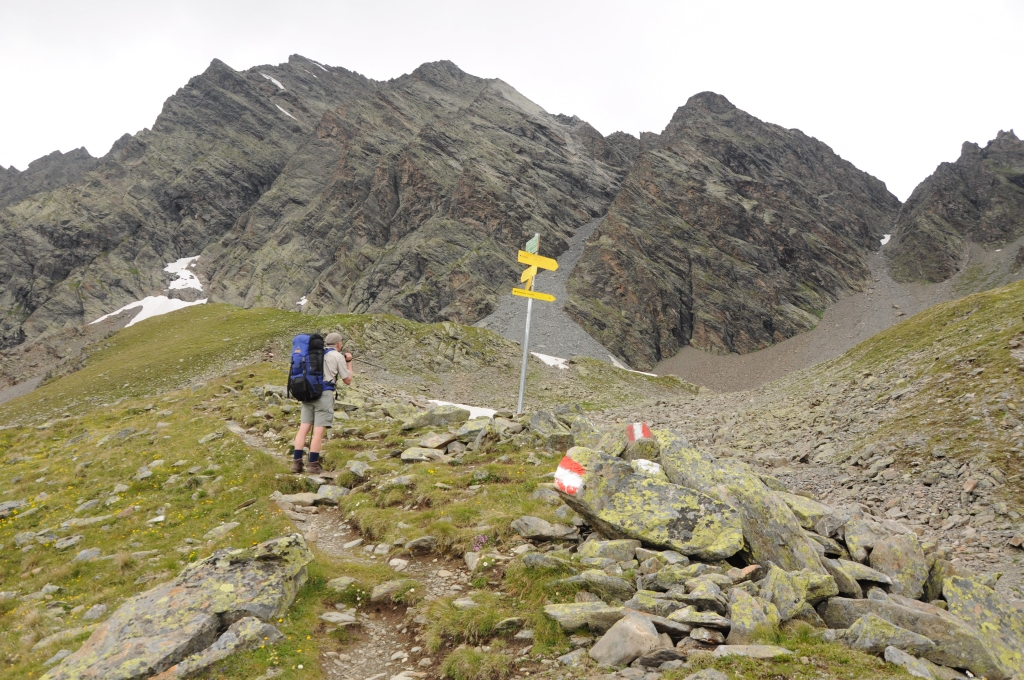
(977, 199)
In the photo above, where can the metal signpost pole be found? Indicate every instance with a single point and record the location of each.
(526, 355)
(531, 257)
(532, 246)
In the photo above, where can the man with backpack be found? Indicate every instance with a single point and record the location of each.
(317, 365)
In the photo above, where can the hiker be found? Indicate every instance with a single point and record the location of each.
(319, 413)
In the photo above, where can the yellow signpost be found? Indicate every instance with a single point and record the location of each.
(536, 262)
(532, 294)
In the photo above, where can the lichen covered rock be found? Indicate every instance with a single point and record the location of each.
(153, 631)
(621, 504)
(748, 618)
(438, 416)
(957, 644)
(873, 634)
(789, 590)
(1001, 624)
(597, 616)
(902, 559)
(770, 528)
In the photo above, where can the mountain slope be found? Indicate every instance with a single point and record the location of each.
(978, 198)
(728, 234)
(415, 199)
(307, 180)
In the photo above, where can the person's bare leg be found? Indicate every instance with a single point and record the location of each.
(300, 437)
(314, 450)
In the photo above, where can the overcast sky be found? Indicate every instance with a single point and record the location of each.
(894, 87)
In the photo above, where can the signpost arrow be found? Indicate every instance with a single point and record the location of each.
(537, 261)
(528, 274)
(533, 295)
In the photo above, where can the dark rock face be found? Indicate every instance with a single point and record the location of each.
(44, 174)
(408, 196)
(978, 198)
(729, 234)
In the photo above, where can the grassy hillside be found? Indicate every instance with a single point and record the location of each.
(139, 433)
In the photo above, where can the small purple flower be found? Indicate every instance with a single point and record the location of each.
(479, 542)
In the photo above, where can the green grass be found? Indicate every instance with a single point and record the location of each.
(469, 664)
(946, 353)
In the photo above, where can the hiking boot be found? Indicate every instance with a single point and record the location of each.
(314, 467)
(297, 465)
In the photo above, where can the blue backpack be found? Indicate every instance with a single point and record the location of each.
(306, 376)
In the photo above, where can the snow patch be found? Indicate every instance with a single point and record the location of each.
(285, 112)
(152, 305)
(303, 301)
(557, 362)
(885, 239)
(618, 364)
(184, 278)
(275, 81)
(474, 411)
(321, 67)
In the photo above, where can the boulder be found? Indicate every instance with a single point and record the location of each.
(901, 559)
(705, 596)
(770, 528)
(861, 572)
(748, 618)
(872, 634)
(622, 504)
(641, 444)
(847, 584)
(753, 651)
(155, 630)
(422, 544)
(548, 432)
(608, 588)
(436, 440)
(788, 590)
(1001, 624)
(676, 575)
(585, 433)
(691, 617)
(597, 616)
(469, 431)
(860, 536)
(439, 416)
(329, 494)
(620, 550)
(648, 601)
(390, 589)
(539, 529)
(808, 511)
(247, 633)
(418, 454)
(631, 637)
(957, 644)
(911, 664)
(938, 571)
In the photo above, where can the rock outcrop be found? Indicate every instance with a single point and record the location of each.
(223, 603)
(979, 198)
(728, 234)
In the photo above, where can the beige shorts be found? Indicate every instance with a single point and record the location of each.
(320, 412)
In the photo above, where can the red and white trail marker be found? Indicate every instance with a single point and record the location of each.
(569, 476)
(638, 431)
